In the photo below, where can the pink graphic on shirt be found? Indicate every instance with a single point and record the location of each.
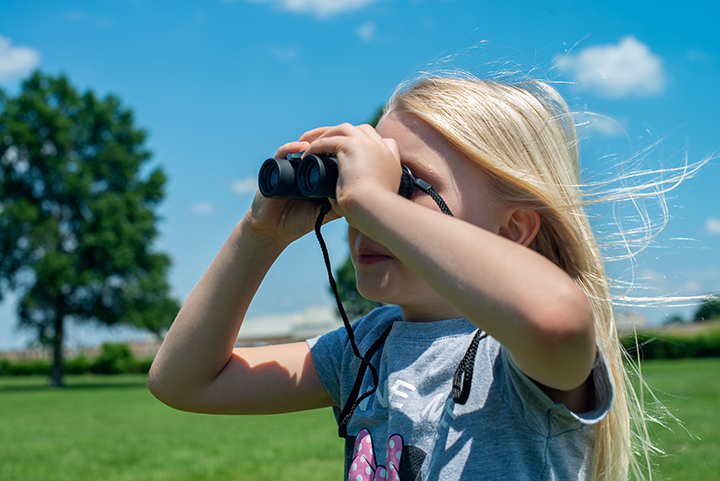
(363, 466)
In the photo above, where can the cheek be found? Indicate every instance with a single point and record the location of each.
(352, 240)
(477, 205)
(484, 214)
(423, 199)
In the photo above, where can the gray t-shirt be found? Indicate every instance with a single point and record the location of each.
(410, 428)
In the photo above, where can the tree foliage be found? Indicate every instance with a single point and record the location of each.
(709, 309)
(77, 213)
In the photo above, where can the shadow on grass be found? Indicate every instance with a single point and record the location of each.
(42, 384)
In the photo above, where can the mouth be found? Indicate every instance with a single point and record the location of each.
(370, 256)
(372, 259)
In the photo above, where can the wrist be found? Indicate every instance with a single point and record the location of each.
(362, 206)
(250, 233)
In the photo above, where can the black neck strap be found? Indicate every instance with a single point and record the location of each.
(462, 379)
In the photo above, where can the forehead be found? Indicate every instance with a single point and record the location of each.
(432, 156)
(419, 144)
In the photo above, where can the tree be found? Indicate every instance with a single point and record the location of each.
(77, 215)
(709, 309)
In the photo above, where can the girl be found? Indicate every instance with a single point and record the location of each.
(500, 358)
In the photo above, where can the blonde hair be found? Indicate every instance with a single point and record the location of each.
(523, 135)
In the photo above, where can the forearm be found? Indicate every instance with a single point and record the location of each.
(200, 341)
(519, 297)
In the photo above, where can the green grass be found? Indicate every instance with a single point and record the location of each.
(112, 428)
(690, 390)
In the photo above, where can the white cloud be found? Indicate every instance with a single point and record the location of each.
(623, 70)
(16, 62)
(712, 226)
(320, 8)
(245, 186)
(366, 31)
(203, 208)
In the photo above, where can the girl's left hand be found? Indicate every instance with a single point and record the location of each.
(366, 161)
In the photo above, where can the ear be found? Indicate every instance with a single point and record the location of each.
(522, 226)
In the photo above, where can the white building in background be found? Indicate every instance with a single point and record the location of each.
(256, 331)
(629, 321)
(289, 327)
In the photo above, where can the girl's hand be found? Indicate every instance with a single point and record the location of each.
(367, 162)
(284, 220)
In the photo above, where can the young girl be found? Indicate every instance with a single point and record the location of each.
(500, 359)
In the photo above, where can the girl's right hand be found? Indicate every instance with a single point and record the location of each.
(283, 221)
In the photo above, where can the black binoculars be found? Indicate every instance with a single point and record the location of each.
(312, 178)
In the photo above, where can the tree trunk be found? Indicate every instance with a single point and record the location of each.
(56, 371)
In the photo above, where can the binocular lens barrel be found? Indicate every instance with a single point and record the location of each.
(277, 179)
(313, 177)
(317, 176)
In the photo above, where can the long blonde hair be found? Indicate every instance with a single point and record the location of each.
(523, 135)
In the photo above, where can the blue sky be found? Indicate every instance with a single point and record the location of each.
(220, 84)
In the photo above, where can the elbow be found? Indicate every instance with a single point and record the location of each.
(155, 384)
(159, 385)
(568, 320)
(565, 339)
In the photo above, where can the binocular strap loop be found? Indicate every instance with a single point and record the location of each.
(462, 380)
(429, 190)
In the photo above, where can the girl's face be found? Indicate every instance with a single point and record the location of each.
(464, 188)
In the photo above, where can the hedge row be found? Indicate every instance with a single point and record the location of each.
(118, 358)
(673, 346)
(114, 359)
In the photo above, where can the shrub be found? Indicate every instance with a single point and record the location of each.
(114, 359)
(673, 346)
(24, 368)
(78, 365)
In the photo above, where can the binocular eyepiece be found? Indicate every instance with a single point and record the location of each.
(311, 178)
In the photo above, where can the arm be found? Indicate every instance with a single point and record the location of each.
(197, 367)
(519, 297)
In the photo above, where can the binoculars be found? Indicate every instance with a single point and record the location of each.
(311, 178)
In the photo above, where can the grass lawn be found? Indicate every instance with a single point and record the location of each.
(690, 390)
(112, 428)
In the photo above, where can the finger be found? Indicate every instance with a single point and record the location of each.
(370, 131)
(291, 148)
(392, 146)
(329, 145)
(335, 213)
(342, 130)
(313, 134)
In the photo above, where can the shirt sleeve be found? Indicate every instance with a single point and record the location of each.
(327, 352)
(540, 412)
(333, 355)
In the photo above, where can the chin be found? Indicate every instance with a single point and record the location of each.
(378, 290)
(377, 295)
